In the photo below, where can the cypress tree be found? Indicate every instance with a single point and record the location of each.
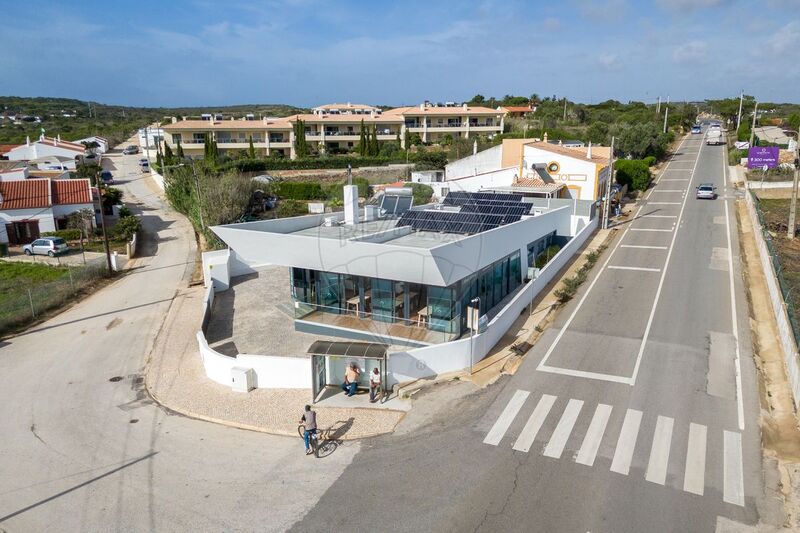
(362, 141)
(169, 157)
(373, 145)
(180, 150)
(251, 149)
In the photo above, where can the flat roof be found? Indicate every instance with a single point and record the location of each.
(381, 231)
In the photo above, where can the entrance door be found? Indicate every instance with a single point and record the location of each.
(22, 232)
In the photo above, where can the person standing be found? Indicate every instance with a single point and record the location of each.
(374, 384)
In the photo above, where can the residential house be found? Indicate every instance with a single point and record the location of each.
(44, 147)
(30, 207)
(102, 143)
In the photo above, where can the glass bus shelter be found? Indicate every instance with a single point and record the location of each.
(330, 359)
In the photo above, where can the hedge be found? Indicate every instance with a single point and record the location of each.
(300, 190)
(436, 158)
(634, 173)
(650, 160)
(66, 234)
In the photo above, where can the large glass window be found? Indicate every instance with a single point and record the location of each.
(442, 309)
(302, 285)
(329, 292)
(383, 300)
(514, 275)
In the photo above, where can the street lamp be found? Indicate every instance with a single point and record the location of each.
(473, 321)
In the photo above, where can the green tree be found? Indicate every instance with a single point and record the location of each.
(362, 140)
(300, 143)
(251, 150)
(794, 121)
(180, 151)
(374, 148)
(169, 157)
(478, 99)
(126, 227)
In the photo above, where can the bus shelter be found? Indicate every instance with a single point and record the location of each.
(330, 359)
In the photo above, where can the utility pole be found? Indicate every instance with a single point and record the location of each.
(793, 205)
(608, 185)
(199, 200)
(739, 116)
(103, 222)
(658, 106)
(753, 128)
(666, 114)
(565, 109)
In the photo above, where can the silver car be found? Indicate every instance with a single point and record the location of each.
(706, 191)
(51, 246)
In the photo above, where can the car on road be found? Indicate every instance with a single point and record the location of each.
(51, 246)
(132, 149)
(107, 177)
(696, 129)
(706, 191)
(144, 164)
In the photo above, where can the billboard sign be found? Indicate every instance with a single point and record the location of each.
(760, 156)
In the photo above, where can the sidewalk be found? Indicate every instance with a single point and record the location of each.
(175, 377)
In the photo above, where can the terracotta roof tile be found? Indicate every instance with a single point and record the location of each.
(25, 194)
(67, 192)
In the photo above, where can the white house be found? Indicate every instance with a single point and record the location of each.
(581, 170)
(30, 207)
(45, 147)
(101, 141)
(53, 162)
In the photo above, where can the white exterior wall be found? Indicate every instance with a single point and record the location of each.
(14, 175)
(39, 149)
(43, 214)
(65, 210)
(485, 161)
(577, 174)
(498, 178)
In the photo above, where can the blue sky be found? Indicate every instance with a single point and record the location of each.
(307, 52)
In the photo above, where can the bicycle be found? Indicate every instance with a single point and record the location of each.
(313, 439)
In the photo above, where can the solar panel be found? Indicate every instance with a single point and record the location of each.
(458, 198)
(455, 222)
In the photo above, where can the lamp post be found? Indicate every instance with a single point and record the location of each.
(97, 180)
(608, 185)
(473, 320)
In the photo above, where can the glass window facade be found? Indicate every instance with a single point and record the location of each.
(538, 246)
(425, 306)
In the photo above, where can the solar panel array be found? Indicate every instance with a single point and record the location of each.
(459, 198)
(452, 222)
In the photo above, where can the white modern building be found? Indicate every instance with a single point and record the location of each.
(102, 143)
(408, 276)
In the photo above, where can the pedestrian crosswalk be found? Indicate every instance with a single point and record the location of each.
(567, 423)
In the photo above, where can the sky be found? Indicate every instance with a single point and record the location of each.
(310, 52)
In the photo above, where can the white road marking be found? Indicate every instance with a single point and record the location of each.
(543, 367)
(663, 203)
(503, 422)
(661, 283)
(659, 216)
(534, 423)
(668, 190)
(591, 442)
(659, 451)
(643, 269)
(734, 322)
(645, 247)
(626, 442)
(560, 435)
(652, 229)
(675, 179)
(694, 475)
(733, 484)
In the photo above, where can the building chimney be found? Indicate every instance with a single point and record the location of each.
(560, 142)
(475, 147)
(27, 140)
(422, 106)
(589, 151)
(545, 137)
(464, 105)
(54, 141)
(59, 137)
(350, 204)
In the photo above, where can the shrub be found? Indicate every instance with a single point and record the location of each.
(124, 211)
(300, 190)
(291, 208)
(434, 160)
(126, 227)
(633, 172)
(336, 191)
(422, 193)
(66, 234)
(650, 160)
(546, 255)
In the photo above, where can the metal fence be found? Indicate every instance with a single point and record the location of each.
(785, 287)
(24, 303)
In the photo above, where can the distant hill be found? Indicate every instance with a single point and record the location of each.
(75, 119)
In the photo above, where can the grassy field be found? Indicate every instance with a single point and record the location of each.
(29, 290)
(776, 217)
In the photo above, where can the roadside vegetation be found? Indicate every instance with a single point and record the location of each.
(32, 289)
(571, 284)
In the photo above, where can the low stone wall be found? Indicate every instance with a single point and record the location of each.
(786, 334)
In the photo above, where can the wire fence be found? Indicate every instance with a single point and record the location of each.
(23, 301)
(785, 287)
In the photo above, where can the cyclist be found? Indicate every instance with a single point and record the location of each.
(309, 421)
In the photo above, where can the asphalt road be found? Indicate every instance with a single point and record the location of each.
(636, 411)
(82, 453)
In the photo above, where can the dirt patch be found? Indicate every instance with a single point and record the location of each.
(114, 323)
(780, 434)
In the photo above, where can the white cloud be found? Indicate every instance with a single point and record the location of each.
(691, 52)
(608, 61)
(786, 39)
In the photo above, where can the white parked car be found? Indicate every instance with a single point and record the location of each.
(51, 246)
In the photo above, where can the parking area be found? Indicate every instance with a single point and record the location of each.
(73, 257)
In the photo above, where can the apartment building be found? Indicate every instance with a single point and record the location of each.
(334, 128)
